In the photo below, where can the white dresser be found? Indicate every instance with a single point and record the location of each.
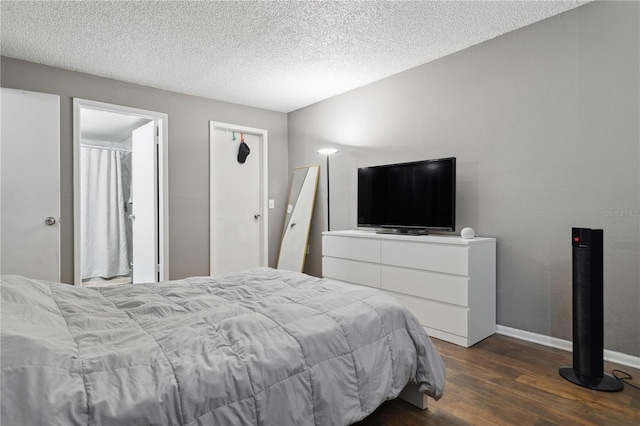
(447, 282)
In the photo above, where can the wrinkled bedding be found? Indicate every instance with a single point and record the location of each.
(260, 347)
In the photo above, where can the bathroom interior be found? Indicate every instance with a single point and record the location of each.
(107, 198)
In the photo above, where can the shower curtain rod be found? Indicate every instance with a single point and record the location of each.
(86, 145)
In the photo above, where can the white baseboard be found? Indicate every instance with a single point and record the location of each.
(565, 345)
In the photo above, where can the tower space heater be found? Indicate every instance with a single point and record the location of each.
(588, 319)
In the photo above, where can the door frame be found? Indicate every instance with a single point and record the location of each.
(263, 136)
(163, 182)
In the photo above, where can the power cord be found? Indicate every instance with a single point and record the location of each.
(624, 378)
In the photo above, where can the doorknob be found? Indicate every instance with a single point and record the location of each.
(256, 216)
(50, 221)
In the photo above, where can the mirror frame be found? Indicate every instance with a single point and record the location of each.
(291, 208)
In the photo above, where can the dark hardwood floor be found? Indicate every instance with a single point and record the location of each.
(506, 381)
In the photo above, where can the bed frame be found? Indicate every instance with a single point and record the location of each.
(413, 396)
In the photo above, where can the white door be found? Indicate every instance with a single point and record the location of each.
(238, 193)
(145, 203)
(30, 188)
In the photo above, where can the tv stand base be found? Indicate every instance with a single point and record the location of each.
(402, 231)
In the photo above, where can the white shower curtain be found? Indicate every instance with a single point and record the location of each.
(104, 216)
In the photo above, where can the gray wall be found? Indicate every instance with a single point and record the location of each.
(544, 122)
(188, 155)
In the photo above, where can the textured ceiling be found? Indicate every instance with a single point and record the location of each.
(280, 55)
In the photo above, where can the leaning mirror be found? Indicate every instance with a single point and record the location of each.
(297, 221)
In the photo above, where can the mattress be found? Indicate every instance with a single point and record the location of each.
(262, 346)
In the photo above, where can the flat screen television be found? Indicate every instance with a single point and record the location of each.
(410, 197)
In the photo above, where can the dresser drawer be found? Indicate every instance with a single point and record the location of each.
(351, 271)
(447, 282)
(364, 249)
(447, 318)
(451, 259)
(428, 285)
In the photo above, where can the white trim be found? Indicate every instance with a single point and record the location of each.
(264, 202)
(163, 181)
(566, 345)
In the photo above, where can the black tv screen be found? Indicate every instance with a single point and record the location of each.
(419, 195)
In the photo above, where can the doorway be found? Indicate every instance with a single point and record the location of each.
(120, 200)
(238, 199)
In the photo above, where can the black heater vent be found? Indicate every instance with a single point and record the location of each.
(588, 318)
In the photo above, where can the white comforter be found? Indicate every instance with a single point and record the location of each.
(260, 347)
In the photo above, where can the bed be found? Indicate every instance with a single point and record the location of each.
(262, 347)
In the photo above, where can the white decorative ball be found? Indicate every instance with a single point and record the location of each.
(467, 233)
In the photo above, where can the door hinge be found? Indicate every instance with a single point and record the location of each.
(157, 268)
